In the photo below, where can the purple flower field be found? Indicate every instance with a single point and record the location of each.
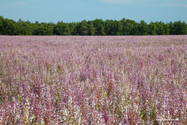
(93, 80)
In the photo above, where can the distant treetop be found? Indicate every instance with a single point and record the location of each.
(95, 27)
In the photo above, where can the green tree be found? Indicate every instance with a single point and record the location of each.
(21, 30)
(166, 29)
(179, 28)
(65, 29)
(35, 28)
(29, 27)
(160, 28)
(184, 28)
(58, 28)
(77, 27)
(72, 28)
(125, 27)
(62, 29)
(9, 27)
(50, 28)
(152, 29)
(143, 28)
(83, 30)
(91, 29)
(25, 28)
(99, 27)
(133, 27)
(107, 27)
(95, 27)
(42, 29)
(116, 28)
(1, 25)
(171, 27)
(56, 31)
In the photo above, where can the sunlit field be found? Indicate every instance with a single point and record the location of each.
(93, 80)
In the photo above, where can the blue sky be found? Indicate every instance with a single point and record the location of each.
(78, 10)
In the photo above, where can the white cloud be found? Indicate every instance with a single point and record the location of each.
(177, 5)
(21, 3)
(122, 1)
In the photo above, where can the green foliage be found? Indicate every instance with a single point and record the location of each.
(152, 29)
(91, 28)
(143, 115)
(160, 28)
(99, 27)
(1, 25)
(95, 27)
(83, 30)
(107, 27)
(153, 115)
(125, 27)
(116, 28)
(8, 27)
(143, 28)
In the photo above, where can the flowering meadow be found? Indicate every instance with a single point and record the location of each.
(93, 80)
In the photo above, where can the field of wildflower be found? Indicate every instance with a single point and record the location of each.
(93, 80)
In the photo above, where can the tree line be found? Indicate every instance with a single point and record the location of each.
(95, 27)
